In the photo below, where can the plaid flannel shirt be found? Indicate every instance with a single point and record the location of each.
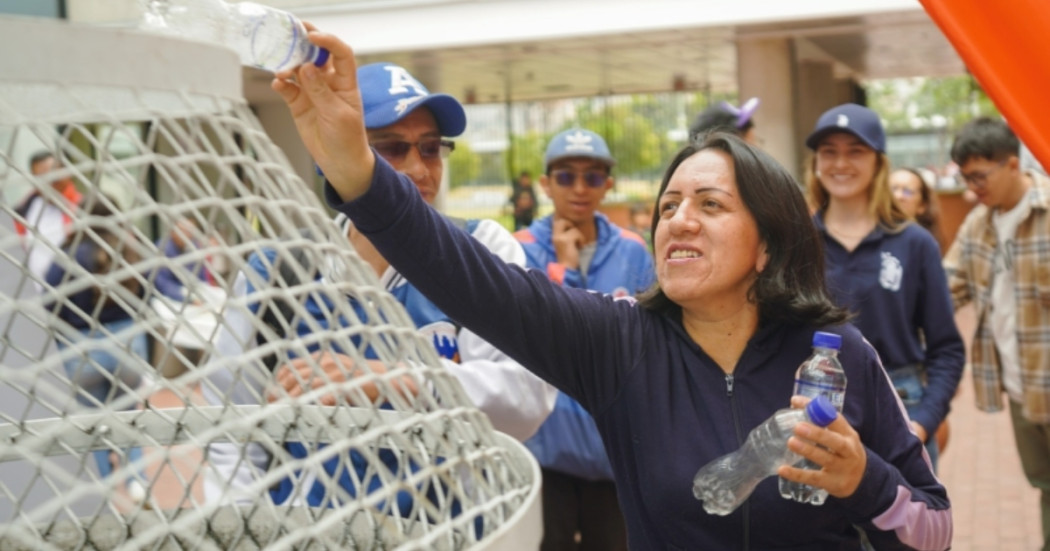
(968, 265)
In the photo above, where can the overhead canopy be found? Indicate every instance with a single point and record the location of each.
(519, 50)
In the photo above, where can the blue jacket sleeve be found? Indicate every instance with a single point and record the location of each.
(165, 281)
(900, 504)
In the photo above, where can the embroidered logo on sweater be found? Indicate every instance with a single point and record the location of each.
(891, 273)
(442, 335)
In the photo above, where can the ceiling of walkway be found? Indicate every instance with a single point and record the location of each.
(874, 46)
(902, 43)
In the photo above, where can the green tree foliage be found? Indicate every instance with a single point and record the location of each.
(464, 165)
(958, 99)
(526, 153)
(638, 149)
(914, 104)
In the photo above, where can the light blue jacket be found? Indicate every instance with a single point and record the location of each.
(622, 266)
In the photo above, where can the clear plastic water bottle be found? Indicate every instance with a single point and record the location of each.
(820, 375)
(263, 37)
(726, 482)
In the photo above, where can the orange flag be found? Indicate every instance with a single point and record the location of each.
(1004, 44)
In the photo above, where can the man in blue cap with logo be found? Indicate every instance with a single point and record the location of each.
(408, 126)
(577, 246)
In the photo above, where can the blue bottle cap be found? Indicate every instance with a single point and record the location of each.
(820, 411)
(322, 57)
(827, 340)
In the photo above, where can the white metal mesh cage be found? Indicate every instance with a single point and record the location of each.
(382, 450)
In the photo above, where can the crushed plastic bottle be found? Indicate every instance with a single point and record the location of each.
(263, 37)
(726, 482)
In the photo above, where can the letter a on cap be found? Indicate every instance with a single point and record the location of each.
(401, 81)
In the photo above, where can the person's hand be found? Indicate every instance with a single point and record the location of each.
(836, 448)
(326, 106)
(567, 240)
(299, 377)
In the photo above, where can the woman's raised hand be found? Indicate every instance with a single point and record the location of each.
(326, 106)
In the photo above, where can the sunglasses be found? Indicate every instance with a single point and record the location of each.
(566, 178)
(429, 148)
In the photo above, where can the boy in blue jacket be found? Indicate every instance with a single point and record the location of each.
(577, 246)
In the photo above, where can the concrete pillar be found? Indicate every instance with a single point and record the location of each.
(280, 127)
(816, 92)
(765, 69)
(817, 89)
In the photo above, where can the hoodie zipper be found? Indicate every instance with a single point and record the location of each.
(745, 508)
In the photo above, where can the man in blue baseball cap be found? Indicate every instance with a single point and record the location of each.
(577, 246)
(408, 127)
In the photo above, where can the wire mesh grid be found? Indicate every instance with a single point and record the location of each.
(131, 419)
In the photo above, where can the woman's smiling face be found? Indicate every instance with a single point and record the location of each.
(845, 165)
(707, 244)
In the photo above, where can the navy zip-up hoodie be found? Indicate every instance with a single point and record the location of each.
(663, 407)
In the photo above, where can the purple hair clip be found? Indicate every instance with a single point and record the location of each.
(744, 112)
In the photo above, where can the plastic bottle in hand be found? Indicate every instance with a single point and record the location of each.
(726, 482)
(263, 37)
(820, 375)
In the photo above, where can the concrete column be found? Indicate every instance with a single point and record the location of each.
(765, 70)
(816, 92)
(280, 127)
(817, 89)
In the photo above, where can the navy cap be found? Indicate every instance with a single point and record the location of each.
(576, 142)
(854, 119)
(389, 93)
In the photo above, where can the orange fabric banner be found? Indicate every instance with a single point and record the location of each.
(1005, 45)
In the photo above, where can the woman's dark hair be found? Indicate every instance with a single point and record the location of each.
(791, 288)
(100, 234)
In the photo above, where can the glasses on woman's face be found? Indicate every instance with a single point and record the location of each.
(904, 191)
(978, 178)
(395, 151)
(566, 178)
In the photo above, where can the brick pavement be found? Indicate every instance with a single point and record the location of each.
(994, 507)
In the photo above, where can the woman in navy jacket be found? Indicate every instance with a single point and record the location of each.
(883, 267)
(680, 378)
